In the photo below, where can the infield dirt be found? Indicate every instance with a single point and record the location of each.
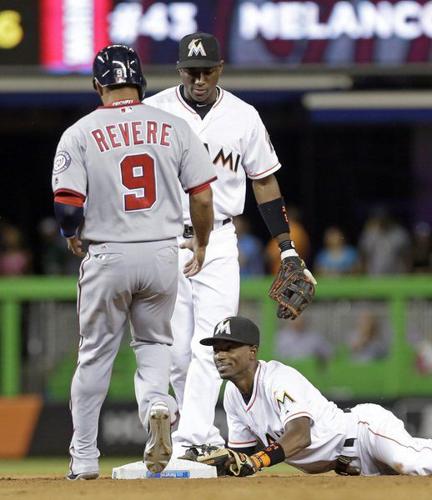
(264, 487)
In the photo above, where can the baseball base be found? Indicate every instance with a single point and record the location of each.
(176, 469)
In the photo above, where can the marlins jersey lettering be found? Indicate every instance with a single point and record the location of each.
(120, 160)
(236, 140)
(281, 394)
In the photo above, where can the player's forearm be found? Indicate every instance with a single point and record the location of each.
(201, 212)
(69, 218)
(272, 207)
(266, 189)
(295, 439)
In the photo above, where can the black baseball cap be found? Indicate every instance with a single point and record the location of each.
(199, 50)
(236, 329)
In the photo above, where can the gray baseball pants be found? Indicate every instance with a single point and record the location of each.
(121, 282)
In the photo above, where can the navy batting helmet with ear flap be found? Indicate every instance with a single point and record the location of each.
(117, 65)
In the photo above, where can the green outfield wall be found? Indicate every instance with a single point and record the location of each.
(394, 376)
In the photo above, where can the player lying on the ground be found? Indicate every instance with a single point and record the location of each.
(274, 405)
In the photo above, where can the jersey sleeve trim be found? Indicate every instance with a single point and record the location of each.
(265, 173)
(69, 197)
(297, 415)
(241, 444)
(201, 187)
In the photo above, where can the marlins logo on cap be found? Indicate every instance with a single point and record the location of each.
(223, 327)
(196, 48)
(199, 50)
(236, 329)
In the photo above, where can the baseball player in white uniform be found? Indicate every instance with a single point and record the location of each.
(116, 184)
(240, 148)
(271, 405)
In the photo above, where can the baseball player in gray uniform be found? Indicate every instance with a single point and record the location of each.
(240, 148)
(272, 408)
(116, 184)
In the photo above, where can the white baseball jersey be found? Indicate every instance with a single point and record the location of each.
(281, 394)
(374, 438)
(121, 160)
(237, 142)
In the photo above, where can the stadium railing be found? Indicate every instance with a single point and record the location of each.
(392, 376)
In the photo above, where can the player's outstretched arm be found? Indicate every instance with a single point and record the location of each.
(201, 212)
(294, 285)
(233, 462)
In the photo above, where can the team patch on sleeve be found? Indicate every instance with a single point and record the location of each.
(61, 162)
(283, 400)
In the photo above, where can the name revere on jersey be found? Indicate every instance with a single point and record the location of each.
(281, 394)
(125, 161)
(237, 142)
(134, 133)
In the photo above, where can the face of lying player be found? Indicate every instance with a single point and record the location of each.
(234, 360)
(200, 83)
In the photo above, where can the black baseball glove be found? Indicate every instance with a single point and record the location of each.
(227, 462)
(293, 288)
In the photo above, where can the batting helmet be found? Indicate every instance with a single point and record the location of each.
(117, 65)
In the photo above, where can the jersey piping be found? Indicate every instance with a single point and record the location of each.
(186, 105)
(270, 170)
(241, 444)
(201, 187)
(255, 389)
(296, 415)
(417, 450)
(62, 194)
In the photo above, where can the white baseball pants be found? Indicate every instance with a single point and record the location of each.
(383, 443)
(202, 301)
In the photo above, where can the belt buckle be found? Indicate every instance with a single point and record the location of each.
(188, 231)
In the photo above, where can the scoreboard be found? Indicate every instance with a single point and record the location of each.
(63, 35)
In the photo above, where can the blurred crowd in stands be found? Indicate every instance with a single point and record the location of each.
(383, 247)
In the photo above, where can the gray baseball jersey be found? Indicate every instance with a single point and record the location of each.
(120, 159)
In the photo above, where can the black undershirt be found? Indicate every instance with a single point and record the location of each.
(201, 109)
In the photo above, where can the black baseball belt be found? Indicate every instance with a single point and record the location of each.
(188, 231)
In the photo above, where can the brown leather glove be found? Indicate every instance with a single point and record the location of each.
(293, 288)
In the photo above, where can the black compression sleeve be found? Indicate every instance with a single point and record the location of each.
(69, 218)
(275, 216)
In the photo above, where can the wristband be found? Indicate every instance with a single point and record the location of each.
(272, 455)
(275, 216)
(287, 249)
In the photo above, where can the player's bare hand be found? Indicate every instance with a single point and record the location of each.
(75, 246)
(194, 265)
(189, 244)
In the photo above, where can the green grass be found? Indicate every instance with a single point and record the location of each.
(49, 467)
(54, 466)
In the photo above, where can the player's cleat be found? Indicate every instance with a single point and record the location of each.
(83, 475)
(158, 449)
